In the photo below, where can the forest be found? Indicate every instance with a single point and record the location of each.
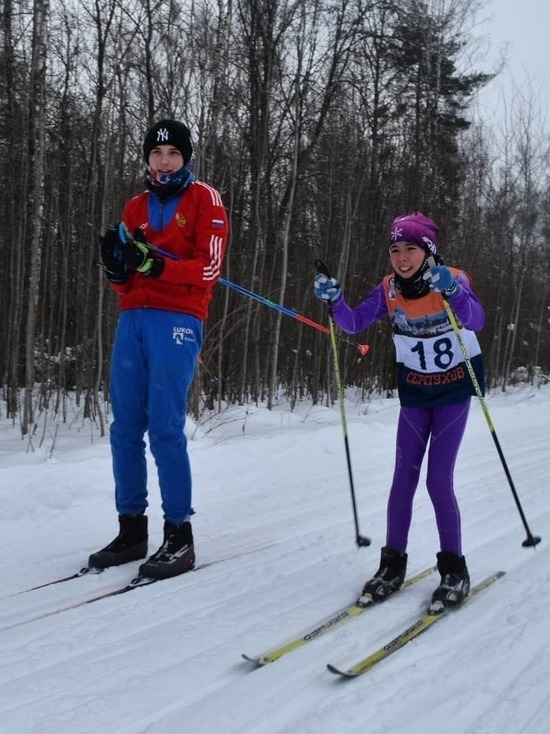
(318, 121)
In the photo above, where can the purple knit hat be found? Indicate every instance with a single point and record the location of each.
(416, 228)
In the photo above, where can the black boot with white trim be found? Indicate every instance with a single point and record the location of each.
(455, 582)
(175, 556)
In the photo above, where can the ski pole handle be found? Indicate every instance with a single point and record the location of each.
(322, 268)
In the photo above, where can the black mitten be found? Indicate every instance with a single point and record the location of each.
(111, 256)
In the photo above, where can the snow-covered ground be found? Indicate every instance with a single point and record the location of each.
(272, 499)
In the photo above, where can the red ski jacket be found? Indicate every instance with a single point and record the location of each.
(194, 229)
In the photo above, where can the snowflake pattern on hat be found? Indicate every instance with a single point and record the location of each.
(396, 234)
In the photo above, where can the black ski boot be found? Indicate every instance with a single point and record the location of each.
(129, 545)
(388, 578)
(176, 555)
(455, 582)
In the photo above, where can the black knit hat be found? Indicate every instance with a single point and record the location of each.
(169, 132)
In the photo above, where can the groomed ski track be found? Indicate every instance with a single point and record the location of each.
(274, 487)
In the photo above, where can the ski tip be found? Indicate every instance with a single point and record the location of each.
(336, 671)
(249, 659)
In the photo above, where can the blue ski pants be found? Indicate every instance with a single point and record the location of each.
(152, 366)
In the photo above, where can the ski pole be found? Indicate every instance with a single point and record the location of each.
(363, 348)
(531, 539)
(361, 540)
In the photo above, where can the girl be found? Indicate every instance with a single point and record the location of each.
(435, 391)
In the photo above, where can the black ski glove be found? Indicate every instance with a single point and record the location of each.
(139, 256)
(111, 256)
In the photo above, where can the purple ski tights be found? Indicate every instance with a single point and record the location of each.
(445, 425)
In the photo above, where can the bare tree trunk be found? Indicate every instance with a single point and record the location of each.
(36, 127)
(13, 121)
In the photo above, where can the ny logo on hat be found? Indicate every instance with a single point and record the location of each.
(162, 134)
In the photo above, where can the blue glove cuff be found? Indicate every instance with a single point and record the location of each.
(452, 292)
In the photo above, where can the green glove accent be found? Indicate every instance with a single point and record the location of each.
(148, 260)
(139, 256)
